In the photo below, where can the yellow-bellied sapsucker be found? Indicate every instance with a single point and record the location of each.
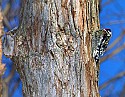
(100, 40)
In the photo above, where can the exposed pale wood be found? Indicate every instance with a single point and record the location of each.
(53, 48)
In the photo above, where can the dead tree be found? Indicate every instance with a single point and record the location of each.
(52, 48)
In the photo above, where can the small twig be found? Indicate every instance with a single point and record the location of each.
(4, 13)
(113, 53)
(15, 87)
(106, 3)
(11, 32)
(116, 41)
(120, 75)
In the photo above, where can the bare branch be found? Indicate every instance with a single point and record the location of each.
(113, 53)
(120, 75)
(15, 87)
(122, 93)
(6, 82)
(107, 2)
(116, 41)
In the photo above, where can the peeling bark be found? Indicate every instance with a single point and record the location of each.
(53, 48)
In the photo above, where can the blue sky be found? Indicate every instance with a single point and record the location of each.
(113, 16)
(7, 61)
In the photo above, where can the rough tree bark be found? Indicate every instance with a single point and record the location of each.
(53, 48)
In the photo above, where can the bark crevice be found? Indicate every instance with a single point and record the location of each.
(53, 48)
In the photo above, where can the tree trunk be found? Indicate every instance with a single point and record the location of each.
(53, 48)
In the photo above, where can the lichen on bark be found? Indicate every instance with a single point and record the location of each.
(53, 48)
